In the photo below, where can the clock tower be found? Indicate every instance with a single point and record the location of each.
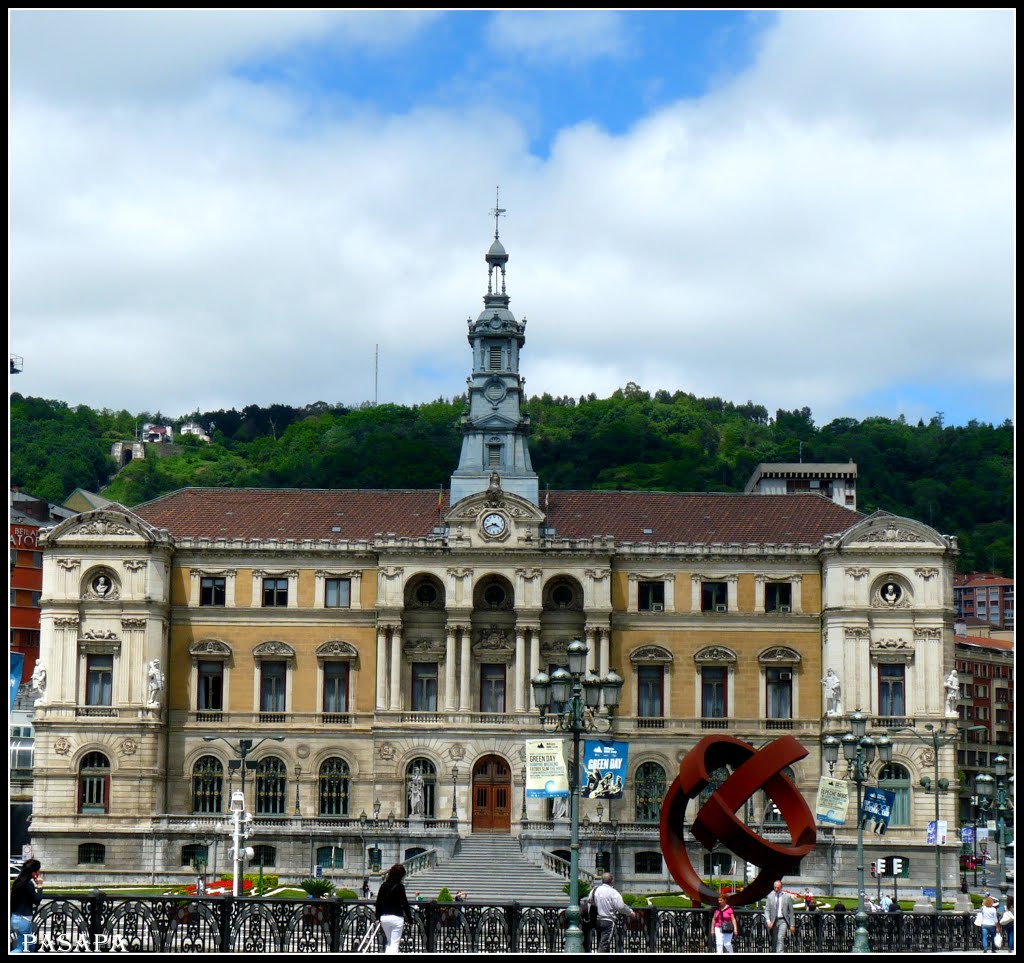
(495, 430)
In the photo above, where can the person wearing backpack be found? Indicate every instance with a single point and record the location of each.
(588, 921)
(723, 925)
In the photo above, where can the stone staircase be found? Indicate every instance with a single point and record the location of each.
(489, 867)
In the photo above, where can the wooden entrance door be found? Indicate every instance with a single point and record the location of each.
(492, 796)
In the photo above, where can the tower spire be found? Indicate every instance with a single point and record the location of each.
(498, 211)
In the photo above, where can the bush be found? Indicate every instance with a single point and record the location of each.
(317, 887)
(444, 896)
(346, 894)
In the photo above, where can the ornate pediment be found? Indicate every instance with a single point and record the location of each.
(470, 508)
(885, 531)
(273, 650)
(493, 645)
(108, 525)
(423, 649)
(337, 650)
(779, 655)
(714, 655)
(210, 649)
(651, 655)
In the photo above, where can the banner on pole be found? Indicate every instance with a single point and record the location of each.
(604, 769)
(17, 667)
(833, 801)
(546, 773)
(876, 810)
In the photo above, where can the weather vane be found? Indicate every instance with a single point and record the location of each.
(498, 211)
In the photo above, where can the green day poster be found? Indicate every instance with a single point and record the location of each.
(833, 801)
(604, 769)
(546, 774)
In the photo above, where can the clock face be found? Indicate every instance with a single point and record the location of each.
(494, 524)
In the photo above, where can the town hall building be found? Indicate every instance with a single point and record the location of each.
(328, 650)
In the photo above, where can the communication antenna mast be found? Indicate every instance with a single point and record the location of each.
(376, 357)
(17, 364)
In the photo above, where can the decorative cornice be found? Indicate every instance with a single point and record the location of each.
(779, 654)
(651, 655)
(267, 650)
(337, 649)
(714, 655)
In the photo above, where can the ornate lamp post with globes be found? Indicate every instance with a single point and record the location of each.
(577, 694)
(859, 752)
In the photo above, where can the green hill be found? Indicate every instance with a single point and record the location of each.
(957, 478)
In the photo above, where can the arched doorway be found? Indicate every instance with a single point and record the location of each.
(492, 796)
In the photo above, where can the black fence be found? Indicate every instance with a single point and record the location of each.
(249, 925)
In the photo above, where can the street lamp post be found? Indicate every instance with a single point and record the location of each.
(578, 694)
(936, 739)
(859, 752)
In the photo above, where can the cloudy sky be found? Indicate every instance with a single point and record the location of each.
(214, 208)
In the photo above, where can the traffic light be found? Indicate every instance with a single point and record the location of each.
(872, 869)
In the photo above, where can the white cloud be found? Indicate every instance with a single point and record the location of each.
(823, 229)
(558, 36)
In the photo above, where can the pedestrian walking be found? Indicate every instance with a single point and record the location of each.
(989, 924)
(366, 887)
(1006, 924)
(609, 905)
(723, 926)
(26, 895)
(393, 907)
(778, 913)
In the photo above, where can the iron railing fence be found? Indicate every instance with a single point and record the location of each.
(270, 925)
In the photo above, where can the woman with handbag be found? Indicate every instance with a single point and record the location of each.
(26, 894)
(393, 907)
(1006, 924)
(989, 920)
(723, 925)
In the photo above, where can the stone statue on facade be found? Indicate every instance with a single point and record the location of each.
(952, 686)
(833, 694)
(416, 794)
(39, 680)
(560, 807)
(154, 683)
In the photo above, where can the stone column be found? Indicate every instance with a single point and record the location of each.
(464, 691)
(396, 666)
(450, 694)
(534, 652)
(592, 637)
(382, 667)
(519, 668)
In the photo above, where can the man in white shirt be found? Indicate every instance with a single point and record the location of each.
(609, 904)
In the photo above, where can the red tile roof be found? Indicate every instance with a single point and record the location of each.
(1005, 645)
(670, 516)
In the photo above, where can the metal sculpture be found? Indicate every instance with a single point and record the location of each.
(753, 770)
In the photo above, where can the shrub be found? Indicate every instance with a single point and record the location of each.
(444, 896)
(317, 887)
(584, 888)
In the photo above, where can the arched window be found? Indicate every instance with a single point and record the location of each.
(330, 857)
(208, 785)
(334, 786)
(649, 786)
(896, 779)
(195, 855)
(271, 787)
(420, 786)
(94, 784)
(264, 856)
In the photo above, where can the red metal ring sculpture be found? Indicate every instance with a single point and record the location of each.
(753, 770)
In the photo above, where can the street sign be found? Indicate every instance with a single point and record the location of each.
(928, 891)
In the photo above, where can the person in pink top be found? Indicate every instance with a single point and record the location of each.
(723, 925)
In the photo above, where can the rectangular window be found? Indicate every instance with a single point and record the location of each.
(651, 596)
(647, 862)
(99, 680)
(891, 689)
(212, 590)
(713, 693)
(714, 597)
(424, 687)
(778, 597)
(650, 681)
(494, 360)
(275, 593)
(210, 686)
(93, 789)
(337, 593)
(335, 687)
(494, 456)
(492, 688)
(273, 678)
(779, 693)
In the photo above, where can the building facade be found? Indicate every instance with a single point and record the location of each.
(359, 662)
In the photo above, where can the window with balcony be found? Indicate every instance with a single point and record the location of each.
(210, 685)
(649, 787)
(892, 689)
(492, 688)
(273, 687)
(650, 692)
(424, 687)
(99, 680)
(779, 692)
(714, 699)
